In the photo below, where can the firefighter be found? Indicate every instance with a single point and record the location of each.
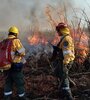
(15, 75)
(66, 47)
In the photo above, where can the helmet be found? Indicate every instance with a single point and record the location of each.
(63, 28)
(14, 29)
(60, 26)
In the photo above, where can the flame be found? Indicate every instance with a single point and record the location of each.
(81, 44)
(38, 38)
(80, 40)
(34, 40)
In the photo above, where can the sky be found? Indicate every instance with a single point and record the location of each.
(27, 13)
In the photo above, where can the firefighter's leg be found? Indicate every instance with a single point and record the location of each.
(65, 88)
(19, 81)
(8, 87)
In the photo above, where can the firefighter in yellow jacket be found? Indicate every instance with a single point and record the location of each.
(15, 74)
(66, 47)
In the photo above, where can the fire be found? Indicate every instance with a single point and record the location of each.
(80, 41)
(40, 38)
(36, 39)
(81, 46)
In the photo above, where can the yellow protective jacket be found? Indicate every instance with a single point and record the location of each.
(67, 47)
(17, 46)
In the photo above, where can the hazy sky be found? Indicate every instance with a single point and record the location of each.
(22, 13)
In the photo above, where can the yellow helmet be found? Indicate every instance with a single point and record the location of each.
(65, 31)
(14, 29)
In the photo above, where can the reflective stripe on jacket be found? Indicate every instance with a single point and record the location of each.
(67, 47)
(17, 46)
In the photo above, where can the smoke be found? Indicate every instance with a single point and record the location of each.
(25, 13)
(30, 14)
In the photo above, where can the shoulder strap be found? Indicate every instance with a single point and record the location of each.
(10, 39)
(61, 40)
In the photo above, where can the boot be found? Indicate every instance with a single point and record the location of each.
(7, 97)
(69, 95)
(65, 95)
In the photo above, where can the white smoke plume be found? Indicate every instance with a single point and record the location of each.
(24, 13)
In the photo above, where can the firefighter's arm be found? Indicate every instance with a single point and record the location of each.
(20, 50)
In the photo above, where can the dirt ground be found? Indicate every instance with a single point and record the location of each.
(41, 84)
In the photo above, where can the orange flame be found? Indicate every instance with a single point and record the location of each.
(81, 42)
(37, 38)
